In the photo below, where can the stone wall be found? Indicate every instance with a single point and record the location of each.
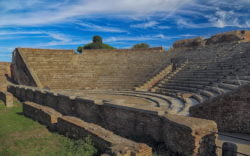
(155, 49)
(232, 36)
(230, 111)
(242, 35)
(20, 72)
(7, 98)
(73, 127)
(184, 135)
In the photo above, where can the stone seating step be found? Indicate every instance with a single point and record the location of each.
(228, 86)
(201, 82)
(187, 78)
(215, 89)
(207, 93)
(175, 90)
(235, 81)
(199, 76)
(181, 85)
(187, 89)
(240, 77)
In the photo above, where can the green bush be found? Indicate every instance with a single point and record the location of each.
(96, 44)
(79, 49)
(140, 45)
(78, 147)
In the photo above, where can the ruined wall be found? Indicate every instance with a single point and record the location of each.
(190, 43)
(185, 135)
(106, 141)
(232, 36)
(6, 97)
(20, 72)
(230, 111)
(229, 37)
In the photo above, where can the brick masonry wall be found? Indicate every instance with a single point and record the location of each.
(185, 135)
(73, 127)
(7, 98)
(230, 111)
(156, 49)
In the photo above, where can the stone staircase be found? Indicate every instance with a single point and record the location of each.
(158, 77)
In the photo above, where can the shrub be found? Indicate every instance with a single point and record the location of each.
(96, 44)
(140, 45)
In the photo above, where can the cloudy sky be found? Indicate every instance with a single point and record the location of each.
(122, 23)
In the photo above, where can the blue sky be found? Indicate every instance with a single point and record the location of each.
(67, 24)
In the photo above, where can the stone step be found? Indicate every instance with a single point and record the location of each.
(201, 82)
(235, 82)
(181, 85)
(228, 86)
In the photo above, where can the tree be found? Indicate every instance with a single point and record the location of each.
(140, 45)
(96, 44)
(97, 39)
(79, 49)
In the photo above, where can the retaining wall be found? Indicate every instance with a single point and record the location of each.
(106, 141)
(183, 135)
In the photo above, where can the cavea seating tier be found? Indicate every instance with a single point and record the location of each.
(93, 69)
(207, 79)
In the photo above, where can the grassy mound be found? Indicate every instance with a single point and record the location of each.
(21, 136)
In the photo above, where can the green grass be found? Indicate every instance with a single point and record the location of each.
(21, 136)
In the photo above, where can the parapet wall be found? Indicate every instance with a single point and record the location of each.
(230, 111)
(183, 135)
(155, 49)
(190, 43)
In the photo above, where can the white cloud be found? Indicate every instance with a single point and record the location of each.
(146, 37)
(163, 27)
(57, 38)
(228, 18)
(93, 27)
(146, 25)
(68, 11)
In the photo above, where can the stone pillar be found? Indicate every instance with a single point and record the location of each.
(229, 149)
(9, 99)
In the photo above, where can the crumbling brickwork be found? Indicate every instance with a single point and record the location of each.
(230, 111)
(73, 127)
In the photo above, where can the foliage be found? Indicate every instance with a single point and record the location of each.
(79, 49)
(97, 39)
(21, 136)
(96, 44)
(140, 45)
(78, 147)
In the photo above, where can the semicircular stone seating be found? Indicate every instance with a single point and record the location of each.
(213, 71)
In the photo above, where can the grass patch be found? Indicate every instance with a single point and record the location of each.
(21, 136)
